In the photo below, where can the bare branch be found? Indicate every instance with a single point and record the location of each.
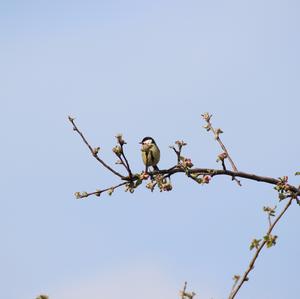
(93, 152)
(217, 132)
(180, 144)
(119, 151)
(126, 163)
(79, 195)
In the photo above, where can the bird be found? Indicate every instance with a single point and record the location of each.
(150, 153)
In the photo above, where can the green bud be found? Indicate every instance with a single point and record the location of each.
(150, 186)
(281, 196)
(138, 182)
(84, 194)
(270, 240)
(255, 244)
(270, 211)
(110, 191)
(207, 127)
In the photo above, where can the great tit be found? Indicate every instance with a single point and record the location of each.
(150, 153)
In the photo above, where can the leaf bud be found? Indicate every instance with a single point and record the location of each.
(110, 191)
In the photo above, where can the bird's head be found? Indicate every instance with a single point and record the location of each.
(147, 141)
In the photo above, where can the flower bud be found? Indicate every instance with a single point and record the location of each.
(217, 133)
(117, 150)
(150, 186)
(96, 151)
(222, 156)
(187, 163)
(144, 175)
(77, 195)
(167, 187)
(120, 139)
(206, 116)
(206, 179)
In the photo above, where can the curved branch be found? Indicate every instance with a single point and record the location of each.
(215, 172)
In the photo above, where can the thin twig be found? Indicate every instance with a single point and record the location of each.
(236, 280)
(261, 246)
(216, 133)
(225, 150)
(180, 144)
(121, 161)
(269, 219)
(184, 289)
(177, 153)
(92, 151)
(126, 162)
(98, 192)
(223, 165)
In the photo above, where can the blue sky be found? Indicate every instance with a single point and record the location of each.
(145, 68)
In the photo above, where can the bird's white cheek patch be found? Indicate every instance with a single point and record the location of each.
(148, 142)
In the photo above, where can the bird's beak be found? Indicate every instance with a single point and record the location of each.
(140, 142)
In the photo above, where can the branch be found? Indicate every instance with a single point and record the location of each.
(216, 172)
(258, 250)
(217, 132)
(162, 179)
(121, 154)
(180, 144)
(184, 166)
(94, 152)
(110, 190)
